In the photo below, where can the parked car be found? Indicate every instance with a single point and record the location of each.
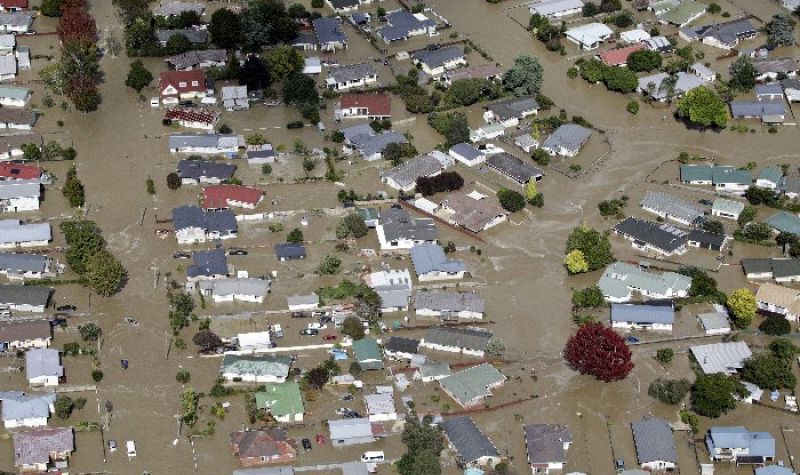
(349, 397)
(182, 255)
(237, 252)
(329, 337)
(309, 332)
(112, 445)
(352, 415)
(343, 410)
(66, 308)
(320, 439)
(317, 326)
(632, 340)
(306, 444)
(131, 446)
(706, 202)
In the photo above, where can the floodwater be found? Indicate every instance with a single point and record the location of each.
(519, 271)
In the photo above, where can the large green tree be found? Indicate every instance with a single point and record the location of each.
(701, 106)
(715, 394)
(595, 246)
(644, 60)
(742, 304)
(284, 61)
(424, 445)
(525, 76)
(225, 28)
(139, 77)
(780, 30)
(743, 74)
(767, 371)
(266, 22)
(104, 273)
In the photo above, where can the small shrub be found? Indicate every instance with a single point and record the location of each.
(633, 107)
(665, 355)
(182, 376)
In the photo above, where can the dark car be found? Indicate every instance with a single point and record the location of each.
(237, 252)
(347, 397)
(352, 415)
(306, 444)
(66, 308)
(309, 332)
(181, 255)
(706, 202)
(325, 319)
(632, 340)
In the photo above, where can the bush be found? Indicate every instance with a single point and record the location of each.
(295, 236)
(353, 328)
(775, 326)
(97, 375)
(329, 265)
(90, 332)
(64, 406)
(541, 157)
(665, 355)
(445, 181)
(317, 3)
(633, 107)
(266, 169)
(669, 391)
(182, 376)
(610, 207)
(572, 72)
(173, 181)
(589, 297)
(511, 200)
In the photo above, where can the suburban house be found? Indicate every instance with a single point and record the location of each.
(209, 144)
(655, 447)
(778, 300)
(670, 207)
(510, 111)
(14, 234)
(367, 353)
(556, 8)
(487, 132)
(198, 59)
(329, 33)
(768, 112)
(404, 177)
(739, 445)
(235, 289)
(715, 323)
(769, 69)
(19, 171)
(346, 77)
(726, 179)
(471, 212)
(450, 305)
(769, 178)
(432, 371)
(514, 168)
(681, 13)
(642, 317)
(253, 341)
(469, 341)
(369, 144)
(620, 280)
(488, 72)
(431, 263)
(345, 6)
(721, 35)
(619, 56)
(303, 303)
(397, 230)
(724, 358)
(400, 348)
(783, 221)
(662, 87)
(195, 36)
(170, 8)
(402, 25)
(38, 449)
(380, 407)
(24, 298)
(659, 238)
(26, 410)
(283, 401)
(14, 96)
(472, 386)
(354, 431)
(192, 224)
(635, 35)
(178, 85)
(261, 447)
(20, 195)
(193, 172)
(13, 5)
(435, 62)
(289, 251)
(43, 367)
(393, 286)
(791, 89)
(589, 36)
(21, 119)
(728, 209)
(231, 196)
(234, 98)
(780, 269)
(707, 240)
(255, 369)
(260, 154)
(526, 142)
(364, 106)
(774, 469)
(567, 140)
(191, 118)
(769, 92)
(16, 22)
(471, 446)
(546, 446)
(467, 154)
(22, 334)
(211, 264)
(11, 148)
(703, 72)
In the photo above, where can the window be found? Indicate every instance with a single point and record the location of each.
(182, 84)
(195, 83)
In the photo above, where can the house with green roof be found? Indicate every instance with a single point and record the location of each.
(11, 96)
(368, 354)
(770, 178)
(697, 174)
(684, 13)
(729, 209)
(255, 368)
(283, 401)
(471, 387)
(784, 221)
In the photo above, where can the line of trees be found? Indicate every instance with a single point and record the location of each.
(445, 181)
(88, 257)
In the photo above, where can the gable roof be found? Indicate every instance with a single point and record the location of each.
(672, 206)
(43, 362)
(176, 78)
(13, 231)
(653, 439)
(351, 72)
(706, 238)
(17, 116)
(661, 236)
(643, 314)
(466, 338)
(721, 205)
(620, 277)
(288, 250)
(408, 172)
(401, 23)
(470, 443)
(237, 286)
(728, 33)
(544, 443)
(34, 295)
(34, 447)
(22, 330)
(513, 108)
(779, 296)
(785, 222)
(619, 56)
(759, 444)
(721, 357)
(438, 57)
(193, 58)
(218, 196)
(329, 30)
(365, 351)
(376, 104)
(193, 35)
(400, 344)
(472, 383)
(19, 171)
(568, 136)
(261, 443)
(187, 216)
(513, 167)
(449, 301)
(470, 213)
(18, 405)
(261, 365)
(398, 224)
(683, 13)
(197, 169)
(430, 257)
(220, 141)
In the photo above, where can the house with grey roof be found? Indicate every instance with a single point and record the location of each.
(403, 24)
(431, 263)
(721, 358)
(715, 323)
(26, 410)
(621, 280)
(791, 89)
(671, 207)
(770, 68)
(344, 6)
(769, 92)
(473, 212)
(514, 168)
(546, 446)
(567, 140)
(38, 449)
(779, 269)
(663, 87)
(430, 371)
(404, 177)
(20, 195)
(400, 348)
(728, 209)
(351, 76)
(658, 238)
(211, 264)
(194, 35)
(703, 72)
(434, 62)
(11, 96)
(450, 305)
(330, 33)
(192, 224)
(370, 145)
(302, 303)
(24, 266)
(380, 407)
(198, 59)
(783, 221)
(397, 230)
(721, 35)
(14, 234)
(255, 368)
(707, 240)
(393, 286)
(657, 317)
(509, 112)
(472, 386)
(556, 8)
(22, 334)
(655, 447)
(169, 8)
(24, 298)
(22, 119)
(472, 447)
(290, 251)
(354, 431)
(11, 144)
(43, 367)
(469, 341)
(234, 98)
(768, 112)
(193, 172)
(235, 289)
(222, 144)
(467, 154)
(16, 22)
(739, 445)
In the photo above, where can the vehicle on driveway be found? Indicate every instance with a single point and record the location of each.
(306, 444)
(329, 337)
(66, 308)
(309, 332)
(182, 255)
(317, 326)
(631, 340)
(237, 252)
(112, 445)
(320, 439)
(343, 410)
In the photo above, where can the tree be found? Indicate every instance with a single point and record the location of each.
(595, 246)
(104, 273)
(767, 371)
(703, 285)
(445, 181)
(317, 377)
(600, 352)
(355, 369)
(610, 207)
(713, 226)
(715, 394)
(524, 77)
(254, 74)
(90, 332)
(76, 25)
(748, 214)
(786, 239)
(64, 406)
(183, 376)
(396, 152)
(590, 297)
(495, 347)
(511, 200)
(82, 91)
(300, 90)
(743, 74)
(138, 76)
(266, 22)
(644, 60)
(177, 44)
(351, 225)
(669, 391)
(424, 444)
(317, 3)
(620, 80)
(465, 92)
(206, 340)
(284, 61)
(775, 326)
(173, 181)
(592, 71)
(633, 107)
(150, 186)
(783, 348)
(714, 8)
(576, 262)
(780, 30)
(352, 327)
(51, 8)
(329, 265)
(225, 29)
(761, 196)
(73, 188)
(84, 241)
(295, 236)
(703, 107)
(665, 355)
(742, 304)
(453, 125)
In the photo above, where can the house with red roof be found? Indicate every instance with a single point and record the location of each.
(175, 85)
(261, 447)
(364, 106)
(19, 171)
(13, 5)
(231, 196)
(193, 119)
(619, 56)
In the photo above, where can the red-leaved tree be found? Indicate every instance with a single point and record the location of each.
(600, 352)
(77, 25)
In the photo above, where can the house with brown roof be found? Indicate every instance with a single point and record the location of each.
(261, 447)
(192, 119)
(36, 450)
(15, 335)
(473, 214)
(231, 196)
(619, 56)
(176, 85)
(778, 300)
(364, 106)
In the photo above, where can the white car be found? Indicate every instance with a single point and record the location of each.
(112, 445)
(317, 326)
(131, 446)
(155, 102)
